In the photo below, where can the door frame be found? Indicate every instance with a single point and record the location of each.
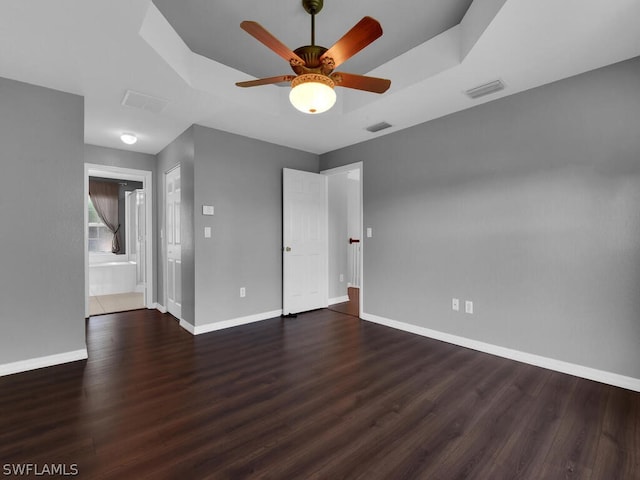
(121, 173)
(343, 169)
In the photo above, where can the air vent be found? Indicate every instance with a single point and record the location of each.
(485, 89)
(378, 126)
(144, 102)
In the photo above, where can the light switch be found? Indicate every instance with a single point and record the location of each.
(369, 232)
(207, 209)
(207, 232)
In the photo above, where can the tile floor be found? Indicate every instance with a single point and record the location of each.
(119, 302)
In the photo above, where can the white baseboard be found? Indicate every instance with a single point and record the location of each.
(160, 308)
(41, 362)
(188, 327)
(234, 322)
(589, 373)
(333, 301)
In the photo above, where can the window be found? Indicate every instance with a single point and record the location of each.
(100, 237)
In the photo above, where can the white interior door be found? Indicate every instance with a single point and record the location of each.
(173, 243)
(305, 236)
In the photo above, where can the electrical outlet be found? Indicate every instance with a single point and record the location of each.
(243, 292)
(341, 278)
(455, 304)
(468, 306)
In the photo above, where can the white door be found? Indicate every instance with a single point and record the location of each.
(305, 267)
(173, 246)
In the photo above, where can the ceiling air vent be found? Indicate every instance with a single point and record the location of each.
(143, 101)
(378, 126)
(485, 89)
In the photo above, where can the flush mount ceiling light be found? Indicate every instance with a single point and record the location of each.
(312, 86)
(128, 138)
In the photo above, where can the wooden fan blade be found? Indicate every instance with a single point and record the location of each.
(258, 32)
(362, 34)
(361, 82)
(266, 81)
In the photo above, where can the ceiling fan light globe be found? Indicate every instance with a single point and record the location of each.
(312, 93)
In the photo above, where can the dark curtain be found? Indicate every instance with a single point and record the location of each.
(104, 196)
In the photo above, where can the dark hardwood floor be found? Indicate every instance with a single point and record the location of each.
(352, 306)
(321, 396)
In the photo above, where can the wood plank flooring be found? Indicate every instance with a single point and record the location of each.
(350, 307)
(321, 396)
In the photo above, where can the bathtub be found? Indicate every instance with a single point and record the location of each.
(106, 278)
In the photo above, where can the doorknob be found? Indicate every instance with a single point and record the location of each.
(287, 249)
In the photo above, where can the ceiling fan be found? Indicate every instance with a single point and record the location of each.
(312, 86)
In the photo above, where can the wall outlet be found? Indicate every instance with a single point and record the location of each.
(369, 232)
(207, 232)
(468, 306)
(341, 277)
(243, 292)
(455, 304)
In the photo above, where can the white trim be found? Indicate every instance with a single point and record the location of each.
(333, 301)
(160, 308)
(343, 169)
(188, 327)
(144, 176)
(234, 322)
(589, 373)
(41, 362)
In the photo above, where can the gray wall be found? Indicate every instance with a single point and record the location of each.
(529, 206)
(140, 161)
(242, 179)
(41, 211)
(120, 158)
(179, 152)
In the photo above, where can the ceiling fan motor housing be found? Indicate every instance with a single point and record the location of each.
(311, 55)
(312, 6)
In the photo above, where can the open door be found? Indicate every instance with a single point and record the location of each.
(305, 237)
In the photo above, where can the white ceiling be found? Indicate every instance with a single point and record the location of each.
(100, 49)
(212, 29)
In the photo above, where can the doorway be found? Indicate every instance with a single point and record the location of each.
(110, 268)
(345, 238)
